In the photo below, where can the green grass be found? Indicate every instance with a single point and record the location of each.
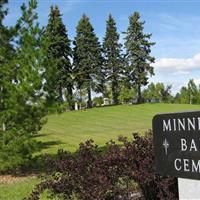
(17, 190)
(20, 189)
(67, 130)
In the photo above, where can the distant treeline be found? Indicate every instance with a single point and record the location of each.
(157, 93)
(189, 94)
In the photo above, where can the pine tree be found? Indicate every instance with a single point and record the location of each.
(3, 11)
(138, 58)
(29, 59)
(58, 72)
(23, 115)
(6, 71)
(87, 58)
(112, 58)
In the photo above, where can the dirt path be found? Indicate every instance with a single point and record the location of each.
(8, 179)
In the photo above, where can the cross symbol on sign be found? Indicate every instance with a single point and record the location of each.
(166, 145)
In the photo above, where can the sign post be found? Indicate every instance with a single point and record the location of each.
(177, 150)
(188, 189)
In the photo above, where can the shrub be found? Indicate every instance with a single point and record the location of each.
(107, 173)
(17, 143)
(98, 101)
(15, 151)
(126, 95)
(58, 107)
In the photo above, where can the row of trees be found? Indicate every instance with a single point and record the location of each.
(189, 94)
(158, 92)
(88, 66)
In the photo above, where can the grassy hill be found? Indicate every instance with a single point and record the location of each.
(67, 130)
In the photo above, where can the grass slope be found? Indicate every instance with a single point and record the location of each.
(67, 130)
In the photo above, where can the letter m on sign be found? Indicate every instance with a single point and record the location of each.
(167, 125)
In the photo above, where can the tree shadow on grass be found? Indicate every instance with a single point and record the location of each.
(41, 135)
(48, 144)
(36, 165)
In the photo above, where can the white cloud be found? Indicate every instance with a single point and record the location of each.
(179, 65)
(197, 81)
(181, 73)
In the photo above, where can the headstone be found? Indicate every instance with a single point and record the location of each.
(177, 150)
(76, 106)
(105, 101)
(3, 127)
(134, 100)
(153, 100)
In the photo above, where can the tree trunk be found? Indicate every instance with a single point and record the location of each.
(89, 102)
(70, 98)
(2, 108)
(115, 93)
(139, 98)
(60, 94)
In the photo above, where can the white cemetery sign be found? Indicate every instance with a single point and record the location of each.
(177, 150)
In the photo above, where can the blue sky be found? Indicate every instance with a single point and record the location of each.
(175, 26)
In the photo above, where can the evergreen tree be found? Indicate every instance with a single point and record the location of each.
(6, 48)
(24, 112)
(6, 70)
(138, 49)
(3, 11)
(112, 58)
(87, 58)
(58, 72)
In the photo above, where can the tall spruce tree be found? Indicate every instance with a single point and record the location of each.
(87, 58)
(112, 58)
(138, 58)
(3, 11)
(58, 72)
(6, 70)
(24, 111)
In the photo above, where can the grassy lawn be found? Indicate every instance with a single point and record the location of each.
(67, 130)
(17, 190)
